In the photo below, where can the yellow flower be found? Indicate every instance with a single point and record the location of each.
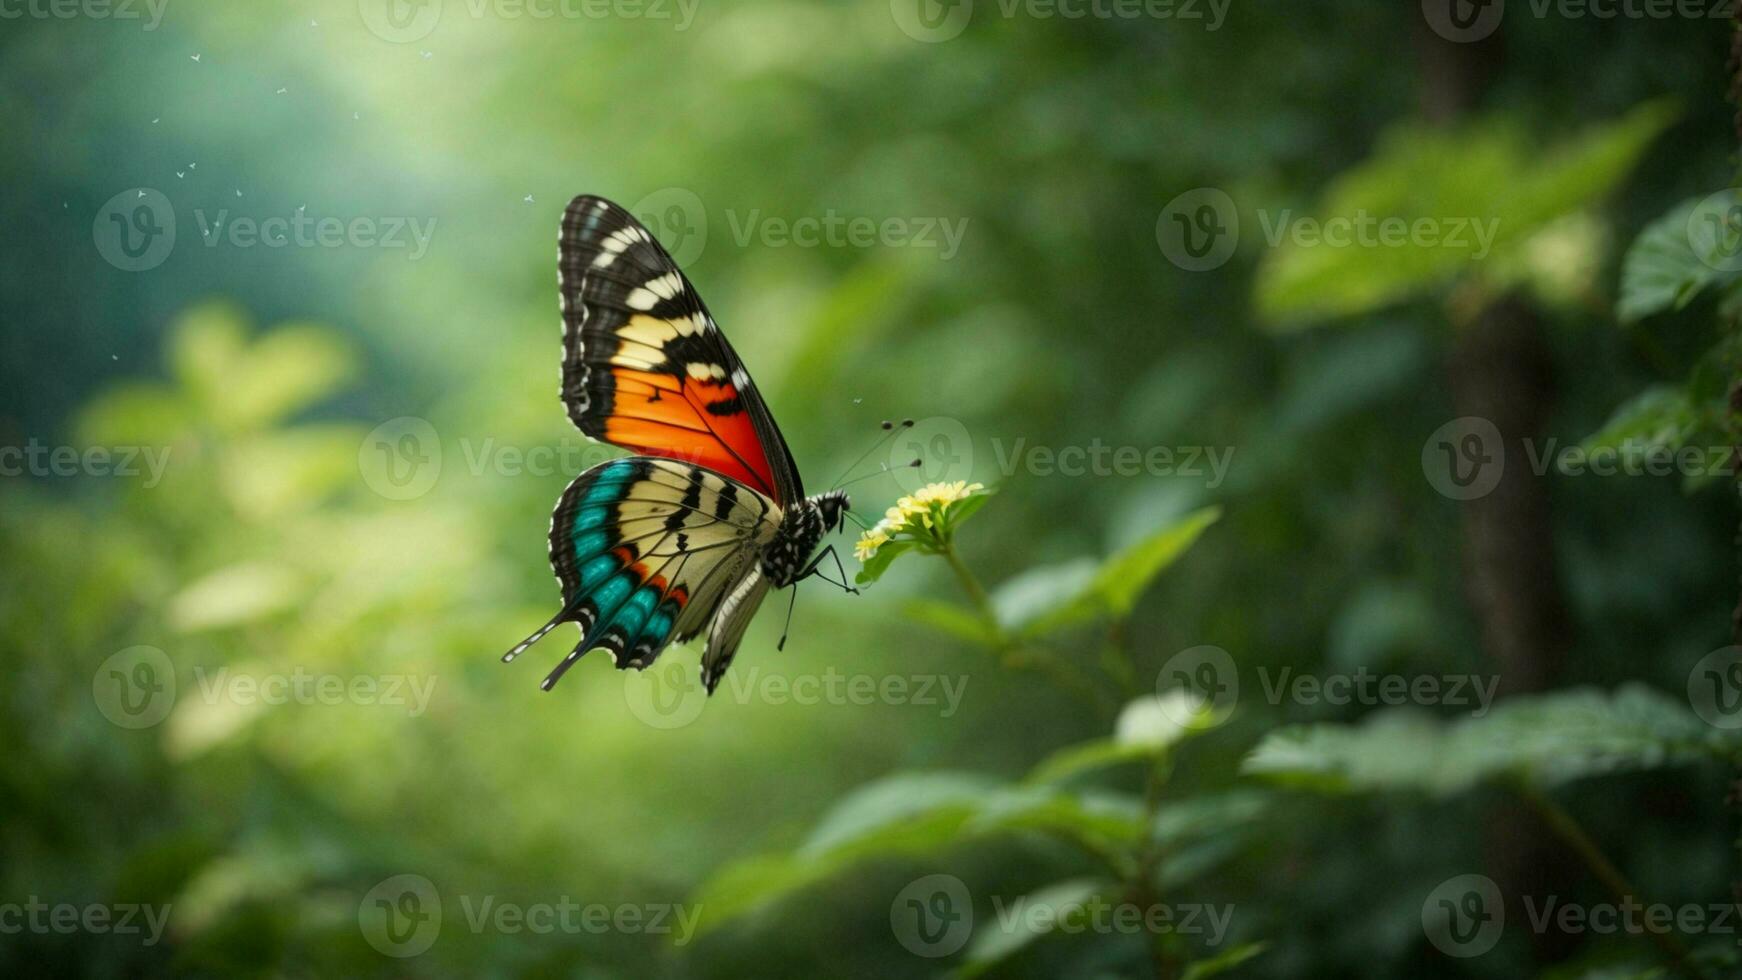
(869, 542)
(913, 513)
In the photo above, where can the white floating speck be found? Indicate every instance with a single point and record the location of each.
(194, 57)
(428, 54)
(282, 91)
(179, 174)
(527, 198)
(154, 121)
(238, 192)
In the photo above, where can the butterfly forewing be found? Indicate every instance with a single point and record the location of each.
(646, 367)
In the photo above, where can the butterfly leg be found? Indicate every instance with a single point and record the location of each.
(814, 569)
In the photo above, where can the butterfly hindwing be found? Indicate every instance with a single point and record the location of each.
(646, 550)
(646, 367)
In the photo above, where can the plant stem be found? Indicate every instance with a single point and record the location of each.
(1569, 830)
(1141, 888)
(1009, 649)
(971, 585)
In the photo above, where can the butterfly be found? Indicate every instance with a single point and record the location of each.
(690, 533)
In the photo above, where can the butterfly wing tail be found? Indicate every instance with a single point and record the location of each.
(538, 634)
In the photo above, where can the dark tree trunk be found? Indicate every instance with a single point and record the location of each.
(1500, 369)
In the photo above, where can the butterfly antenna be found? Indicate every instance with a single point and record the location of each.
(788, 627)
(882, 468)
(889, 431)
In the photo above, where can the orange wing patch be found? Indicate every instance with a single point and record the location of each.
(700, 421)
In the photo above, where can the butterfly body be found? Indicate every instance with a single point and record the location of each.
(690, 534)
(801, 530)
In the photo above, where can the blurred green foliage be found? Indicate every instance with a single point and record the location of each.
(269, 545)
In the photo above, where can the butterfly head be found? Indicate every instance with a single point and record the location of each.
(831, 506)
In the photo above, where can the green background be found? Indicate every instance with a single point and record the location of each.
(269, 547)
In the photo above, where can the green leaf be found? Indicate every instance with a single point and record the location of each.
(1087, 757)
(288, 369)
(910, 813)
(1546, 740)
(1226, 961)
(1145, 729)
(999, 938)
(1064, 595)
(961, 510)
(1663, 270)
(1101, 820)
(1492, 173)
(1125, 576)
(877, 564)
(1044, 594)
(1660, 418)
(921, 813)
(887, 813)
